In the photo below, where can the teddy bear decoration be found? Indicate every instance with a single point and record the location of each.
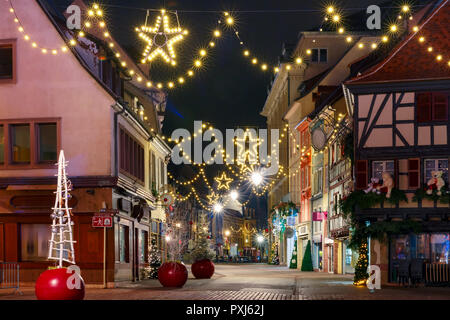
(435, 183)
(385, 187)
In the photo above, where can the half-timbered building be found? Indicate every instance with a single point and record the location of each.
(401, 139)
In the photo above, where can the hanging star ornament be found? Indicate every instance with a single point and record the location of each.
(223, 181)
(160, 39)
(212, 198)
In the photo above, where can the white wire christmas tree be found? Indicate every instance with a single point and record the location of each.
(61, 243)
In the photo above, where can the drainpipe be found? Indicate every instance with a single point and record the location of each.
(116, 154)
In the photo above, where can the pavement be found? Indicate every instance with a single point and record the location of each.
(253, 282)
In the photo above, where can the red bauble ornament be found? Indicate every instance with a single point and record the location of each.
(172, 274)
(203, 269)
(52, 285)
(267, 230)
(208, 237)
(190, 222)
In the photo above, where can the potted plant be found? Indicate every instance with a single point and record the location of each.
(203, 267)
(173, 272)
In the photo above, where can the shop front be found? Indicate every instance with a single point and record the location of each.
(427, 252)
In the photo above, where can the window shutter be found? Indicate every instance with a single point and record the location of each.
(361, 174)
(413, 173)
(440, 106)
(424, 107)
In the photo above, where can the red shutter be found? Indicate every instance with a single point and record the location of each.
(424, 107)
(440, 106)
(361, 174)
(413, 173)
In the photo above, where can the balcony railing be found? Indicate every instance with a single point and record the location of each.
(340, 169)
(339, 226)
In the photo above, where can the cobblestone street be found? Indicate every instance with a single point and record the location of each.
(254, 282)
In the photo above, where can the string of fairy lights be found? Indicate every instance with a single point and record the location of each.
(95, 20)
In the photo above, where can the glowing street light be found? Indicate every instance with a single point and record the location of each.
(167, 238)
(256, 178)
(227, 233)
(218, 208)
(260, 238)
(234, 195)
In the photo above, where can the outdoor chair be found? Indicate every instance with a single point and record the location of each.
(403, 272)
(417, 271)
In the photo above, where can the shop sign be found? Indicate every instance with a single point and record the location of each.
(319, 215)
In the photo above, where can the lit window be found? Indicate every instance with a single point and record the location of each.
(34, 242)
(20, 135)
(378, 167)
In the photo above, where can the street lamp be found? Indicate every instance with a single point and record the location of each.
(218, 208)
(227, 233)
(234, 195)
(256, 178)
(260, 238)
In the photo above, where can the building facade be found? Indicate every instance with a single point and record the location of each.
(106, 125)
(401, 130)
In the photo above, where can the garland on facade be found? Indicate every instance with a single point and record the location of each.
(443, 197)
(378, 230)
(368, 200)
(283, 209)
(348, 147)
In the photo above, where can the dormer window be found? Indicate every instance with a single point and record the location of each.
(319, 55)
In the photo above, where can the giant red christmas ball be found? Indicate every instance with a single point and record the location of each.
(172, 274)
(53, 285)
(203, 269)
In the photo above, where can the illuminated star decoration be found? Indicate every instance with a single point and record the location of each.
(212, 198)
(223, 181)
(160, 39)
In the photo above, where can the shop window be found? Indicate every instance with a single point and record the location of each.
(432, 106)
(34, 242)
(143, 246)
(436, 165)
(440, 247)
(47, 142)
(20, 143)
(378, 167)
(124, 232)
(7, 61)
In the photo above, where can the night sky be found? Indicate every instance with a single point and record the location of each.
(228, 91)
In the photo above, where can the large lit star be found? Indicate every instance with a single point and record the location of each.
(223, 181)
(160, 39)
